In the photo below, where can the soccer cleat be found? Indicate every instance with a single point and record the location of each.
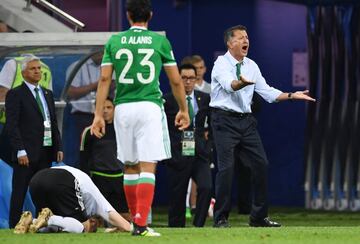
(138, 231)
(188, 213)
(41, 221)
(24, 223)
(153, 231)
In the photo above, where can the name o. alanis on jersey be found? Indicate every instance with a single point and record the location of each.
(136, 40)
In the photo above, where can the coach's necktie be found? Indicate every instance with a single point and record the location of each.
(38, 100)
(238, 70)
(190, 108)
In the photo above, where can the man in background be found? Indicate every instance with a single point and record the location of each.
(189, 153)
(32, 130)
(199, 63)
(11, 77)
(81, 93)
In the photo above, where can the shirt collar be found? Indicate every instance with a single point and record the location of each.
(31, 86)
(200, 86)
(232, 60)
(191, 95)
(138, 27)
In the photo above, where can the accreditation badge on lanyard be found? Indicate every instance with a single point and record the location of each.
(188, 143)
(47, 142)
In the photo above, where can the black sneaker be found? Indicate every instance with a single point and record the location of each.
(222, 223)
(266, 222)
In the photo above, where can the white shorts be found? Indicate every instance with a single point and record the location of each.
(141, 133)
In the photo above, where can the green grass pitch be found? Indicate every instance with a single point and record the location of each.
(299, 226)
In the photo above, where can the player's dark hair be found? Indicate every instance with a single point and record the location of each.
(230, 32)
(139, 10)
(187, 66)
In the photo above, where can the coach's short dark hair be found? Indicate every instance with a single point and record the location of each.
(139, 10)
(187, 66)
(230, 32)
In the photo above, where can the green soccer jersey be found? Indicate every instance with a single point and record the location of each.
(137, 56)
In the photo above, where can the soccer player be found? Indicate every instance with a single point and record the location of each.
(137, 56)
(69, 192)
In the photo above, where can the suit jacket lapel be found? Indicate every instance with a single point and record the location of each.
(198, 99)
(30, 98)
(48, 101)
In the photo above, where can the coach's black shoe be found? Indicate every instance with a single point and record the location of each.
(50, 229)
(266, 222)
(222, 223)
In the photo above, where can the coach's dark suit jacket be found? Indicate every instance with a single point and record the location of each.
(25, 124)
(181, 168)
(202, 146)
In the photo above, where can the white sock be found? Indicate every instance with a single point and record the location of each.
(188, 194)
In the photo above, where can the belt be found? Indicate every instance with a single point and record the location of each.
(230, 113)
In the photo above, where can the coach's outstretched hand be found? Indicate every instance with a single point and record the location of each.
(302, 95)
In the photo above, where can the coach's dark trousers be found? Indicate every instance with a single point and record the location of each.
(236, 134)
(178, 181)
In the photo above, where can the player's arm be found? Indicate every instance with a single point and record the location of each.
(98, 126)
(182, 118)
(117, 220)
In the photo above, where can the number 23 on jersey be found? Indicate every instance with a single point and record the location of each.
(130, 61)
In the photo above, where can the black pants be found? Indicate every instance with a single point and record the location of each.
(178, 180)
(236, 134)
(112, 189)
(58, 190)
(20, 182)
(244, 186)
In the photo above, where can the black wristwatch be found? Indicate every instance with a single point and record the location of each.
(290, 95)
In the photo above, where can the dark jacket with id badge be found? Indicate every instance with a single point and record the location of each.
(201, 120)
(181, 168)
